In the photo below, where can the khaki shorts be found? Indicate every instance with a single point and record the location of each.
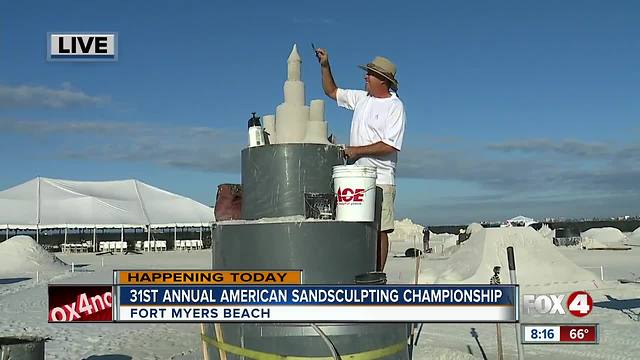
(388, 213)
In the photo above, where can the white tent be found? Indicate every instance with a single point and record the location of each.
(52, 203)
(526, 221)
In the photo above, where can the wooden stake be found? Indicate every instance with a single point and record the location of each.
(220, 338)
(205, 347)
(499, 337)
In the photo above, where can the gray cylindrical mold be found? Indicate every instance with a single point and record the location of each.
(302, 340)
(274, 180)
(22, 348)
(329, 252)
(275, 177)
(566, 232)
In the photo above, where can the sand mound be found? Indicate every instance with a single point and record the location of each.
(21, 254)
(546, 232)
(634, 238)
(405, 230)
(537, 260)
(607, 235)
(474, 227)
(591, 243)
(443, 244)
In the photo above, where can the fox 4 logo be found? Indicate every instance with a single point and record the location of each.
(579, 303)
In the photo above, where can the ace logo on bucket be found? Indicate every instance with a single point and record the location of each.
(355, 189)
(82, 46)
(349, 195)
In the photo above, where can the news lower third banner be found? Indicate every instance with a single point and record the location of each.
(316, 303)
(273, 296)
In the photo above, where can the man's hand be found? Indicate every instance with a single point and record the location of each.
(323, 57)
(351, 153)
(328, 84)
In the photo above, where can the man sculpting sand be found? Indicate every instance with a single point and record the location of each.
(377, 129)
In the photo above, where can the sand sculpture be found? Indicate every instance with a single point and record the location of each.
(295, 122)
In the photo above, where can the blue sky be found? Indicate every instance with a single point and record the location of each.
(527, 107)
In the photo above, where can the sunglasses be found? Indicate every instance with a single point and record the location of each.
(376, 75)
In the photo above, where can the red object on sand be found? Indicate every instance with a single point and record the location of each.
(228, 202)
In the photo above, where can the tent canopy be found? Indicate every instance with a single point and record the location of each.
(55, 203)
(521, 219)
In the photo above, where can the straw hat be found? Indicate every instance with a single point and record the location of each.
(382, 66)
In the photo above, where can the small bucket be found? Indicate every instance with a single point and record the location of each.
(371, 278)
(23, 348)
(355, 189)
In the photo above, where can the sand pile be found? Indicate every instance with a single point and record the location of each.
(546, 232)
(406, 231)
(21, 254)
(538, 261)
(590, 243)
(634, 238)
(406, 235)
(474, 227)
(443, 244)
(602, 237)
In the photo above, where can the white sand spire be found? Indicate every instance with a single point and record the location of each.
(294, 65)
(294, 87)
(293, 121)
(292, 115)
(317, 128)
(317, 110)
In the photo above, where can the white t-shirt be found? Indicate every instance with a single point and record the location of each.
(375, 119)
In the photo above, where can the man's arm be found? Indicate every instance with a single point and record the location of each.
(375, 149)
(391, 136)
(328, 84)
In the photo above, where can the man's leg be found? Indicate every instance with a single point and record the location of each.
(386, 223)
(383, 249)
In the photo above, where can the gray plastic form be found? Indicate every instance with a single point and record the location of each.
(274, 181)
(276, 177)
(22, 348)
(302, 340)
(328, 252)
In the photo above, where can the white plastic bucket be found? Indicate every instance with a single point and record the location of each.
(355, 189)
